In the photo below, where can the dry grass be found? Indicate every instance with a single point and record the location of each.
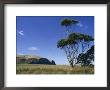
(52, 69)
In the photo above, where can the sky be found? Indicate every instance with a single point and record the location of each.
(38, 35)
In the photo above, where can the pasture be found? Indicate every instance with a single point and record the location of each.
(52, 69)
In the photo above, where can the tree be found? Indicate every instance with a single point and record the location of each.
(67, 23)
(85, 59)
(73, 42)
(71, 46)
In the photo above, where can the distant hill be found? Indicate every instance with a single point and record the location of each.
(33, 59)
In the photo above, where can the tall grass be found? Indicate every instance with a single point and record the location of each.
(52, 69)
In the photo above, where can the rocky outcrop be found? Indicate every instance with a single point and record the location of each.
(53, 62)
(27, 59)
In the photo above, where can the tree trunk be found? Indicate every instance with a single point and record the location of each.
(71, 64)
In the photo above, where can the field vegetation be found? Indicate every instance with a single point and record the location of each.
(53, 69)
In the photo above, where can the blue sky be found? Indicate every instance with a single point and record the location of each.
(38, 35)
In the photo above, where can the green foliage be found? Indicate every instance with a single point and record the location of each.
(68, 22)
(80, 37)
(82, 58)
(88, 38)
(86, 58)
(90, 53)
(61, 43)
(74, 38)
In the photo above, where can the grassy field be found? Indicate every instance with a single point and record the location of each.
(52, 69)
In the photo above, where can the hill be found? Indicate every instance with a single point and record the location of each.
(33, 59)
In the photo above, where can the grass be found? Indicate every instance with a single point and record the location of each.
(52, 69)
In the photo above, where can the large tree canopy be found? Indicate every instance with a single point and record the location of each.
(71, 45)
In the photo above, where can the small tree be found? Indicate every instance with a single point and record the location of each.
(86, 59)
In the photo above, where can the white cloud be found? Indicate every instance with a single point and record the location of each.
(21, 33)
(80, 24)
(33, 48)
